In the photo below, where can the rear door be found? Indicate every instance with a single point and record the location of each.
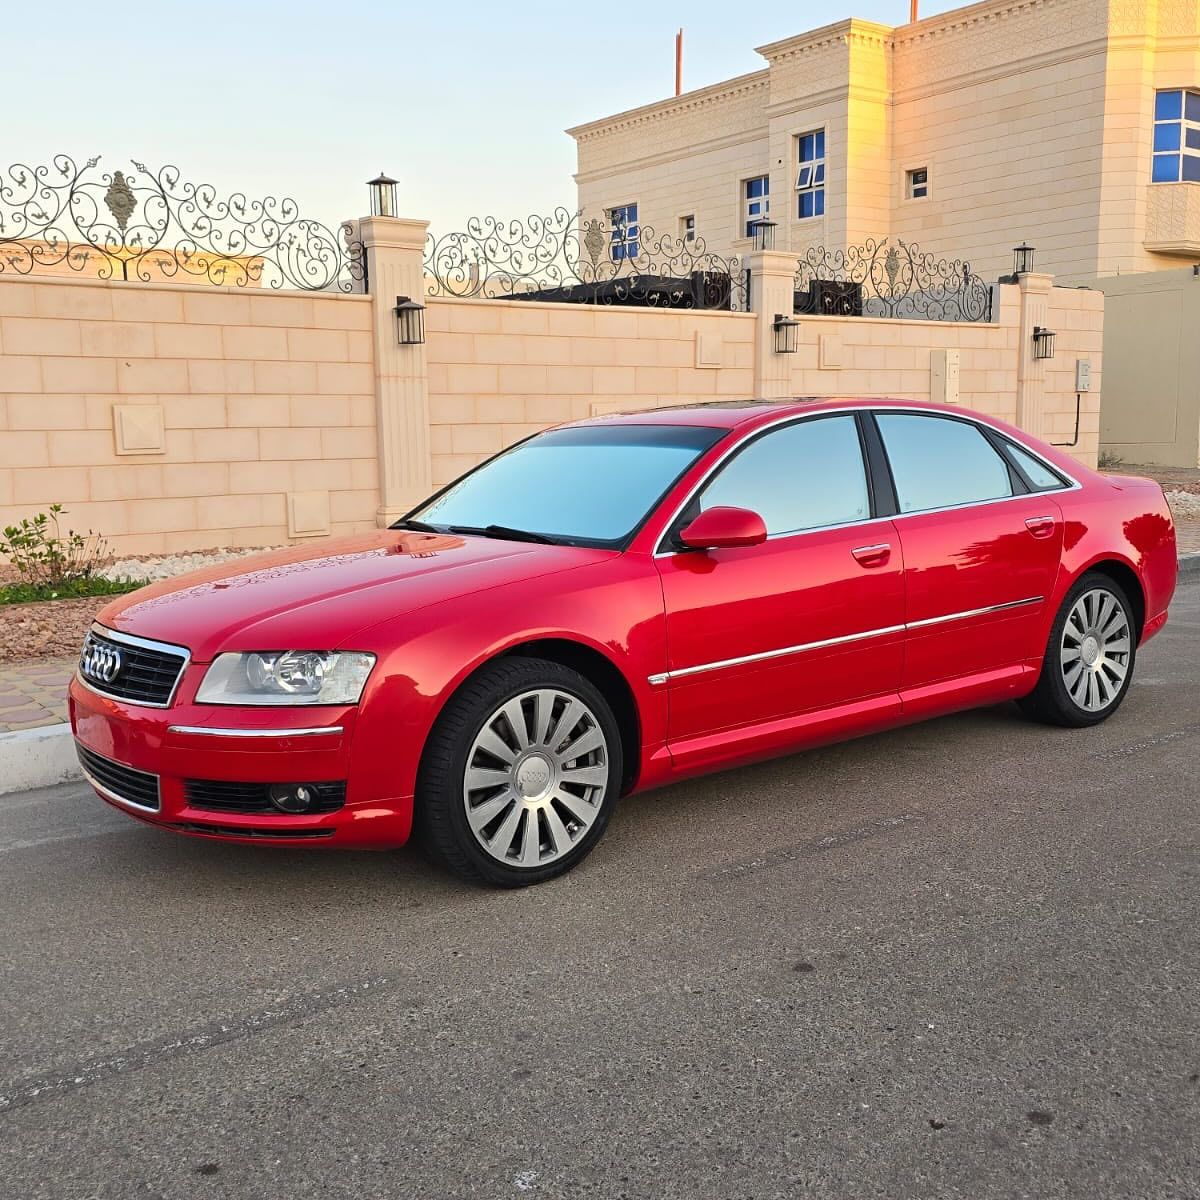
(981, 549)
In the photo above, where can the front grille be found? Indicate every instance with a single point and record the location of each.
(136, 787)
(217, 795)
(141, 673)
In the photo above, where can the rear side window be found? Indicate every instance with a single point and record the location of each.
(938, 462)
(1040, 475)
(802, 476)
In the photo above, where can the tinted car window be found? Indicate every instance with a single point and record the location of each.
(1039, 474)
(592, 484)
(938, 462)
(800, 477)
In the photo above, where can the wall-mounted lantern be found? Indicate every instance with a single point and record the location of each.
(383, 195)
(764, 233)
(410, 322)
(1043, 342)
(786, 334)
(1022, 259)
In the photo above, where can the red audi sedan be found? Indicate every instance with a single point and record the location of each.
(616, 604)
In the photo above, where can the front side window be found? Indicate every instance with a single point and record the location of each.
(1176, 137)
(756, 201)
(938, 462)
(810, 175)
(804, 476)
(623, 240)
(592, 485)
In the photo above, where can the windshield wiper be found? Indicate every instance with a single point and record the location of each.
(503, 531)
(415, 526)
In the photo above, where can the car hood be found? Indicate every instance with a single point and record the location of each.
(319, 596)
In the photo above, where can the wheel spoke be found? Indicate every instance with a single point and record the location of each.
(568, 719)
(1104, 610)
(515, 715)
(494, 744)
(1074, 629)
(1104, 689)
(1118, 646)
(543, 710)
(1076, 683)
(1093, 690)
(579, 808)
(1118, 669)
(484, 814)
(1068, 655)
(1117, 627)
(586, 776)
(479, 778)
(531, 839)
(501, 841)
(585, 743)
(560, 839)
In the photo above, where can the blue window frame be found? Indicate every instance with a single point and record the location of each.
(623, 241)
(1176, 137)
(810, 174)
(756, 201)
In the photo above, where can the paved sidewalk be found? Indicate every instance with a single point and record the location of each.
(34, 693)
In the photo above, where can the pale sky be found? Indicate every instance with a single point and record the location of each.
(463, 101)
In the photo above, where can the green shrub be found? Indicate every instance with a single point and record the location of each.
(1107, 460)
(43, 557)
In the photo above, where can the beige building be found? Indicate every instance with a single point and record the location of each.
(1071, 124)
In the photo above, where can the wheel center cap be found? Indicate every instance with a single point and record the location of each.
(1090, 650)
(534, 776)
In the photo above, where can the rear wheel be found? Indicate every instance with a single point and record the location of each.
(1089, 657)
(520, 774)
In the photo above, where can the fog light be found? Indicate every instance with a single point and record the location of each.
(292, 797)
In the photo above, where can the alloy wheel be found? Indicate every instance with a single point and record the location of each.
(1095, 650)
(535, 778)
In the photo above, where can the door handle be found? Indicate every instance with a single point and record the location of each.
(1040, 527)
(872, 556)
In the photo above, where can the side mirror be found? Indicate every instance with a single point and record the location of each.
(720, 528)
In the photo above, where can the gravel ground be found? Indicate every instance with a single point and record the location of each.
(56, 627)
(1184, 505)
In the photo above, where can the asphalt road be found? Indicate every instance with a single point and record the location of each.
(958, 960)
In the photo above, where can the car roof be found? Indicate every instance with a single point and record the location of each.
(729, 414)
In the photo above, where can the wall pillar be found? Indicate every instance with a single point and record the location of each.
(772, 288)
(395, 255)
(1034, 292)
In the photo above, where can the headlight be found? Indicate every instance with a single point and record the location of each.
(286, 677)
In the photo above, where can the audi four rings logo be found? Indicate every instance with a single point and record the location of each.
(99, 662)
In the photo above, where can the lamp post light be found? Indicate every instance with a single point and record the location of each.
(1043, 342)
(1022, 259)
(383, 195)
(410, 322)
(764, 234)
(786, 334)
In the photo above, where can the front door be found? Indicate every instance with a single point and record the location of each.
(810, 620)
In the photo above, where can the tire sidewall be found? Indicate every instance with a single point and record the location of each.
(476, 711)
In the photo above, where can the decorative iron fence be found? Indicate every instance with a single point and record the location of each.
(890, 277)
(562, 257)
(152, 224)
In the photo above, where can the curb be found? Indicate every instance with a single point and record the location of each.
(1189, 566)
(35, 758)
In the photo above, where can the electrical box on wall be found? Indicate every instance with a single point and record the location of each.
(1083, 375)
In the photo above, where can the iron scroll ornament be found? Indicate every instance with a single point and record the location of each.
(152, 224)
(888, 277)
(565, 257)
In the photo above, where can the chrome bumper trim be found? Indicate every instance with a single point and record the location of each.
(216, 731)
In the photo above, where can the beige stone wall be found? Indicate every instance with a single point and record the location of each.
(244, 414)
(1034, 119)
(500, 370)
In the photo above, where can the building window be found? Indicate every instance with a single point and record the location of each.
(917, 183)
(624, 236)
(1176, 137)
(756, 203)
(810, 177)
(687, 228)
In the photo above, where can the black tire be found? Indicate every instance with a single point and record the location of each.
(440, 817)
(1052, 701)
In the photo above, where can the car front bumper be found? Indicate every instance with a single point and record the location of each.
(227, 746)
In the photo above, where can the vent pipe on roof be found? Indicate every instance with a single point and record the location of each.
(912, 10)
(679, 61)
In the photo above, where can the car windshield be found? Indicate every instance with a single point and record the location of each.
(591, 485)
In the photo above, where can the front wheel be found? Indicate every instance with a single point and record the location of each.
(1089, 657)
(520, 775)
